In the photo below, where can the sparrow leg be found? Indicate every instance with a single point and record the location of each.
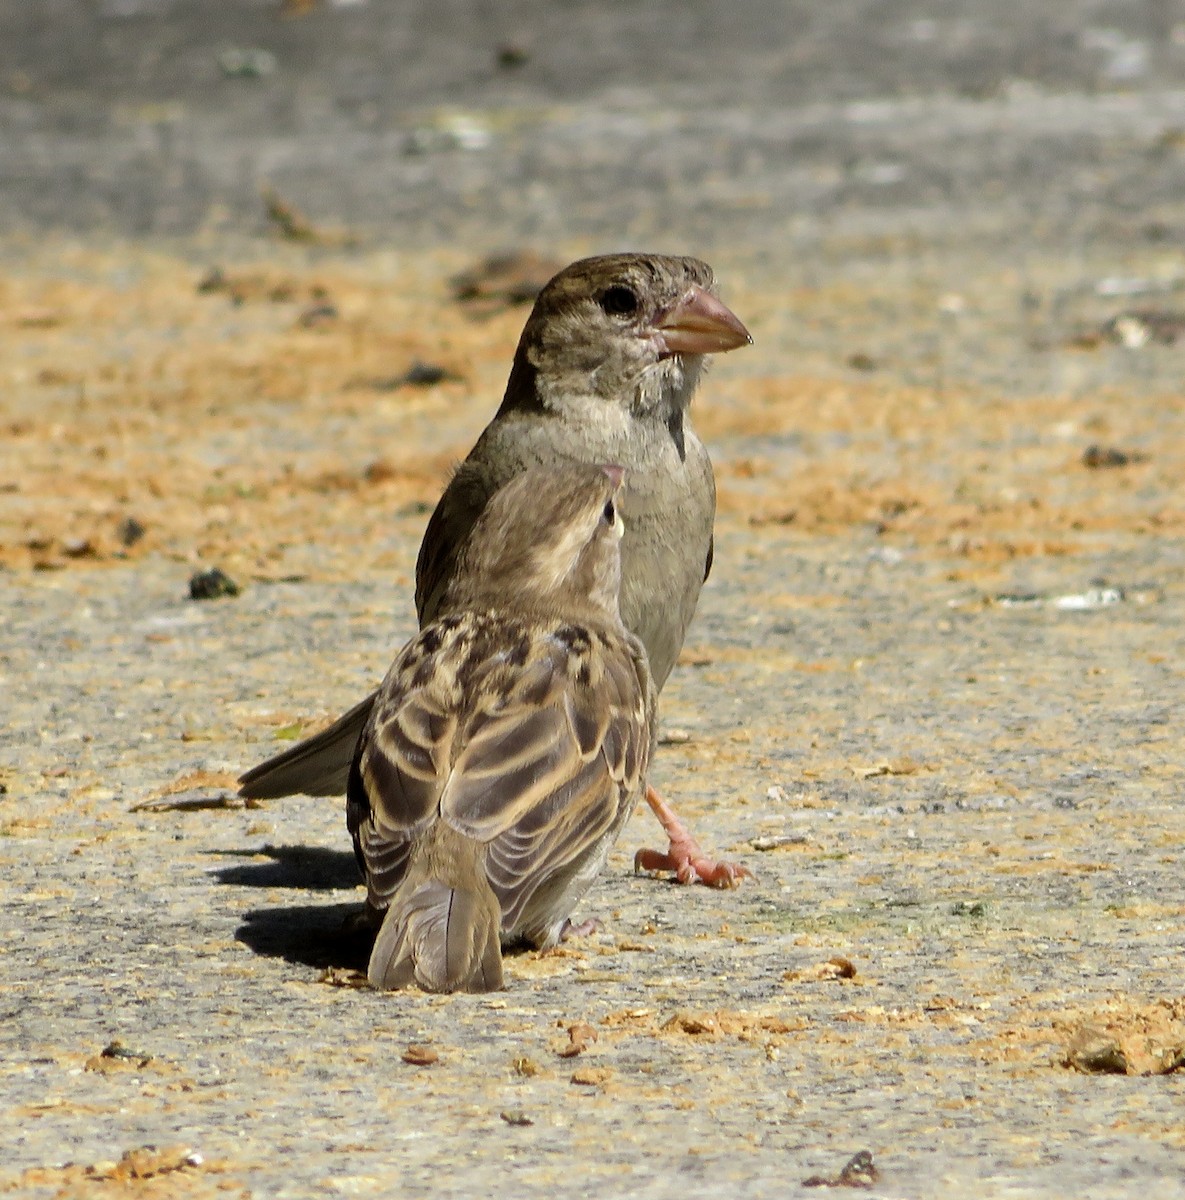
(684, 856)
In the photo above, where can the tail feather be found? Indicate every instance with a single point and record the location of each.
(442, 938)
(317, 766)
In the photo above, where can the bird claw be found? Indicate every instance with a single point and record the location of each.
(684, 856)
(691, 865)
(572, 930)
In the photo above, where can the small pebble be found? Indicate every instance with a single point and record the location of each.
(129, 531)
(211, 585)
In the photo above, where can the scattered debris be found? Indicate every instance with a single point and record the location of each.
(419, 374)
(858, 1172)
(324, 313)
(129, 531)
(674, 737)
(212, 585)
(746, 1026)
(1149, 1040)
(288, 733)
(198, 800)
(1095, 1052)
(900, 766)
(247, 62)
(1099, 597)
(268, 286)
(1139, 328)
(580, 1036)
(836, 967)
(115, 1055)
(1105, 457)
(512, 55)
(36, 318)
(142, 1163)
(292, 225)
(345, 977)
(1018, 600)
(196, 790)
(380, 471)
(592, 1076)
(696, 1024)
(775, 841)
(1126, 285)
(80, 547)
(513, 277)
(1096, 597)
(146, 1162)
(214, 280)
(696, 656)
(627, 1016)
(964, 908)
(420, 1056)
(450, 131)
(785, 517)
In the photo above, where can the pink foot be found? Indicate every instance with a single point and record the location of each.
(572, 930)
(684, 856)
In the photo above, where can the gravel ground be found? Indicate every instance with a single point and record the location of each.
(932, 696)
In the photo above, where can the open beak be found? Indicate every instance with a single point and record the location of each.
(700, 324)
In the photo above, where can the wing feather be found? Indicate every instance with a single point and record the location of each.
(548, 782)
(403, 759)
(540, 763)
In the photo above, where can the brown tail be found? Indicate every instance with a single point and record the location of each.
(442, 936)
(317, 766)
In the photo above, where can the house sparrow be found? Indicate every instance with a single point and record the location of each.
(509, 742)
(604, 372)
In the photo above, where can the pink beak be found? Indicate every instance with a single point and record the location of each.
(700, 324)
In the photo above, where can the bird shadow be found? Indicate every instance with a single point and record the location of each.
(310, 867)
(318, 935)
(314, 935)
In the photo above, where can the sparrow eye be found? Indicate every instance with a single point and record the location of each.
(609, 512)
(619, 301)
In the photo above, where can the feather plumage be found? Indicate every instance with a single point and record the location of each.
(508, 744)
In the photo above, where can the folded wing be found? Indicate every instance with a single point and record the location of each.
(541, 768)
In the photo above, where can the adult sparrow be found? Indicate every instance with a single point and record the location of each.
(509, 742)
(604, 372)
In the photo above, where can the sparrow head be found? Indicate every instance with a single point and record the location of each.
(548, 540)
(629, 329)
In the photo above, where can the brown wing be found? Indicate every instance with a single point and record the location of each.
(548, 778)
(404, 757)
(537, 763)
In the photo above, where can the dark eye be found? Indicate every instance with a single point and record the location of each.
(619, 301)
(609, 513)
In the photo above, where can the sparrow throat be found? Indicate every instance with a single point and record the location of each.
(675, 429)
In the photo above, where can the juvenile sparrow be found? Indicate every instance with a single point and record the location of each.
(604, 372)
(509, 742)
